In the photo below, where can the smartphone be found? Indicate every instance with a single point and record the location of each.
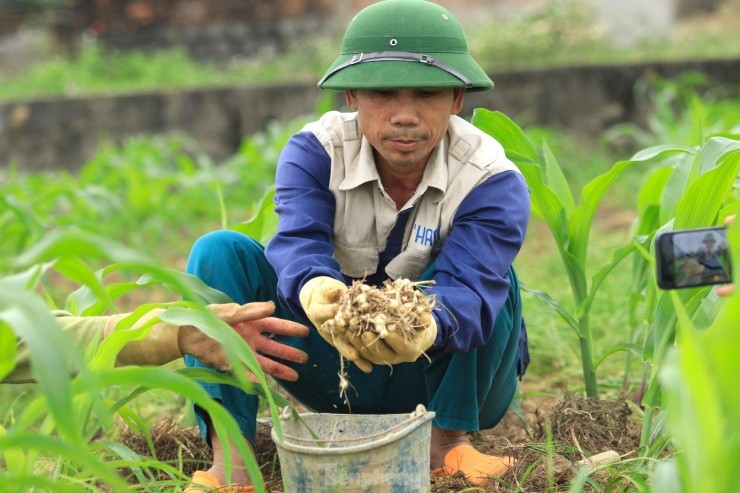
(692, 257)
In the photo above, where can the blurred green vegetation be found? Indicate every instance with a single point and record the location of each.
(157, 194)
(563, 33)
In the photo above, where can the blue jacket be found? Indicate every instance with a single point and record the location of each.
(335, 220)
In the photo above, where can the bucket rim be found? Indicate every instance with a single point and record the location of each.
(415, 420)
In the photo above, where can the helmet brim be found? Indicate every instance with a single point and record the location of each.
(396, 74)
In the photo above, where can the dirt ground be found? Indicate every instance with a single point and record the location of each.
(580, 428)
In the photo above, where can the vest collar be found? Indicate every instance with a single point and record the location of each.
(362, 168)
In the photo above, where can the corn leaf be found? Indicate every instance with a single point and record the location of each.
(66, 243)
(580, 222)
(702, 201)
(53, 355)
(505, 131)
(649, 199)
(545, 203)
(236, 349)
(7, 350)
(74, 269)
(617, 257)
(559, 308)
(263, 225)
(556, 180)
(675, 189)
(225, 426)
(713, 151)
(190, 286)
(690, 389)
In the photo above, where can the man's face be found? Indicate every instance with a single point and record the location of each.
(404, 125)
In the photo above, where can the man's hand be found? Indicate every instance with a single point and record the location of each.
(319, 298)
(253, 322)
(166, 342)
(396, 347)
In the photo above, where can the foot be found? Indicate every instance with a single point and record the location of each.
(216, 475)
(238, 475)
(442, 442)
(458, 454)
(203, 481)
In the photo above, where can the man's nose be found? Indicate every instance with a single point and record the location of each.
(405, 111)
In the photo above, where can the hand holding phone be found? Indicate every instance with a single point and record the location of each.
(692, 257)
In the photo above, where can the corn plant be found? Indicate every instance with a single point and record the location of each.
(691, 185)
(78, 229)
(570, 224)
(667, 193)
(682, 110)
(702, 399)
(154, 193)
(62, 424)
(706, 196)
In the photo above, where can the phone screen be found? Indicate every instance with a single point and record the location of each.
(694, 257)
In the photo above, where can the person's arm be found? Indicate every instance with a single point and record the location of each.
(471, 283)
(83, 330)
(302, 248)
(166, 342)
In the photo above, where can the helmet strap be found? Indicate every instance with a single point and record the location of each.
(401, 56)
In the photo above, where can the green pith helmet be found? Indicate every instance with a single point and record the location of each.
(396, 44)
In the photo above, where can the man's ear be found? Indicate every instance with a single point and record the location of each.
(350, 98)
(458, 99)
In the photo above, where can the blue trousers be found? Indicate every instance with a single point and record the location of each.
(467, 391)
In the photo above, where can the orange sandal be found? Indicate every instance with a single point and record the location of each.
(477, 467)
(203, 482)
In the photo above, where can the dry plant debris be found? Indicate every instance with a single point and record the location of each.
(593, 425)
(173, 444)
(397, 306)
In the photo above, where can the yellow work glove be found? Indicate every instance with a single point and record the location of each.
(319, 298)
(160, 345)
(396, 347)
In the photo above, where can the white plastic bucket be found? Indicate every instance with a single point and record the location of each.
(352, 453)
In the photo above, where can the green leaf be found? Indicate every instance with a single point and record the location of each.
(263, 225)
(53, 355)
(649, 197)
(714, 149)
(7, 350)
(704, 198)
(617, 257)
(593, 191)
(675, 188)
(559, 309)
(74, 269)
(546, 204)
(660, 151)
(236, 348)
(505, 131)
(556, 180)
(225, 426)
(628, 347)
(69, 243)
(190, 286)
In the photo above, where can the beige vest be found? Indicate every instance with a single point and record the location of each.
(365, 215)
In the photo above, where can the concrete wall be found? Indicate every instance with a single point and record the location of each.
(66, 132)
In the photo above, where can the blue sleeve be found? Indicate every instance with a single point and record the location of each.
(302, 248)
(471, 281)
